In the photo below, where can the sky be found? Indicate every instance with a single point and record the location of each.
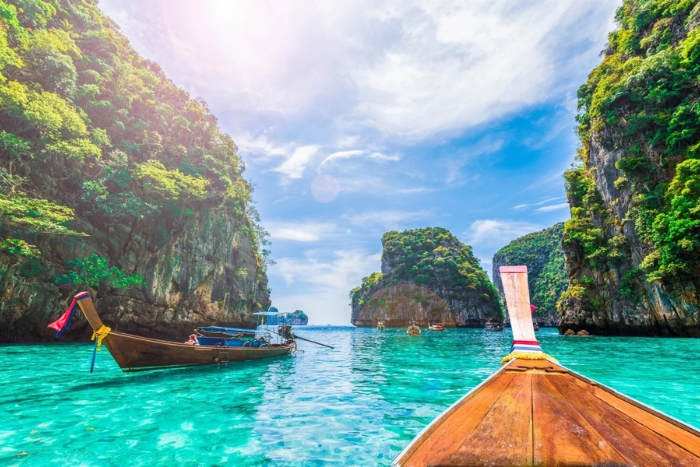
(356, 117)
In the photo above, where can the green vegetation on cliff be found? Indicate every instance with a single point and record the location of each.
(541, 252)
(641, 103)
(432, 258)
(95, 139)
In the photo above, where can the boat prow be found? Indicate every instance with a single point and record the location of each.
(534, 411)
(134, 353)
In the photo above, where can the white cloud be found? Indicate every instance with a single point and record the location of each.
(553, 207)
(299, 231)
(385, 157)
(407, 69)
(357, 153)
(546, 200)
(455, 176)
(295, 165)
(327, 283)
(497, 232)
(388, 220)
(341, 155)
(415, 190)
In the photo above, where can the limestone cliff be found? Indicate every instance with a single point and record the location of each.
(632, 245)
(542, 253)
(429, 276)
(115, 180)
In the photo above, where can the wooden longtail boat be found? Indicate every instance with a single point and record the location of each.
(436, 327)
(534, 411)
(413, 330)
(134, 353)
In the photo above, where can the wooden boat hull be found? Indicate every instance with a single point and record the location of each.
(133, 353)
(535, 412)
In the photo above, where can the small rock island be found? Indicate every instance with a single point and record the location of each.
(429, 276)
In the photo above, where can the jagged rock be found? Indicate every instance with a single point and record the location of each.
(583, 332)
(428, 276)
(634, 268)
(569, 332)
(194, 279)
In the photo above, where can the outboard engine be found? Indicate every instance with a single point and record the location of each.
(285, 330)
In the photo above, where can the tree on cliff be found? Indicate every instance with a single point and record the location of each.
(635, 192)
(435, 260)
(541, 252)
(96, 139)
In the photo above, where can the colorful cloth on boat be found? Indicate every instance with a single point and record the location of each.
(100, 334)
(526, 346)
(63, 323)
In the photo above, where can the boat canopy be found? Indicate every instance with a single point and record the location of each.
(221, 329)
(268, 313)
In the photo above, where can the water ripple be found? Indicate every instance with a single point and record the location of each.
(358, 404)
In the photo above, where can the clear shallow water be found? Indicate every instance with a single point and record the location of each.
(359, 404)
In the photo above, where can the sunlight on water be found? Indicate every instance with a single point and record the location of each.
(359, 404)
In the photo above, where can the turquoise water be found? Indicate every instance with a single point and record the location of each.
(359, 404)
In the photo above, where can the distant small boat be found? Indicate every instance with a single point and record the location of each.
(413, 330)
(493, 327)
(380, 325)
(436, 327)
(533, 411)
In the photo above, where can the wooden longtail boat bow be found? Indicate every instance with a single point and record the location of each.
(534, 411)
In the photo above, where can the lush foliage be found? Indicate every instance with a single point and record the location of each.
(93, 271)
(544, 257)
(88, 124)
(641, 102)
(432, 258)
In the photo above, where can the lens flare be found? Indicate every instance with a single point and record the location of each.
(325, 188)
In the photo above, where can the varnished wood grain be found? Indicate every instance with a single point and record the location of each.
(504, 436)
(669, 429)
(567, 420)
(455, 427)
(562, 435)
(637, 443)
(518, 303)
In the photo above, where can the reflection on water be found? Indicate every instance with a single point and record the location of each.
(358, 404)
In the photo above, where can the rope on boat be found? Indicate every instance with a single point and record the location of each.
(525, 355)
(100, 334)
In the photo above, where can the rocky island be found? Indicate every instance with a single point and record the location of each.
(632, 245)
(115, 180)
(429, 276)
(542, 253)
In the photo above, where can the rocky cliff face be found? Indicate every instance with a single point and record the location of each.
(428, 276)
(542, 253)
(206, 273)
(632, 245)
(115, 180)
